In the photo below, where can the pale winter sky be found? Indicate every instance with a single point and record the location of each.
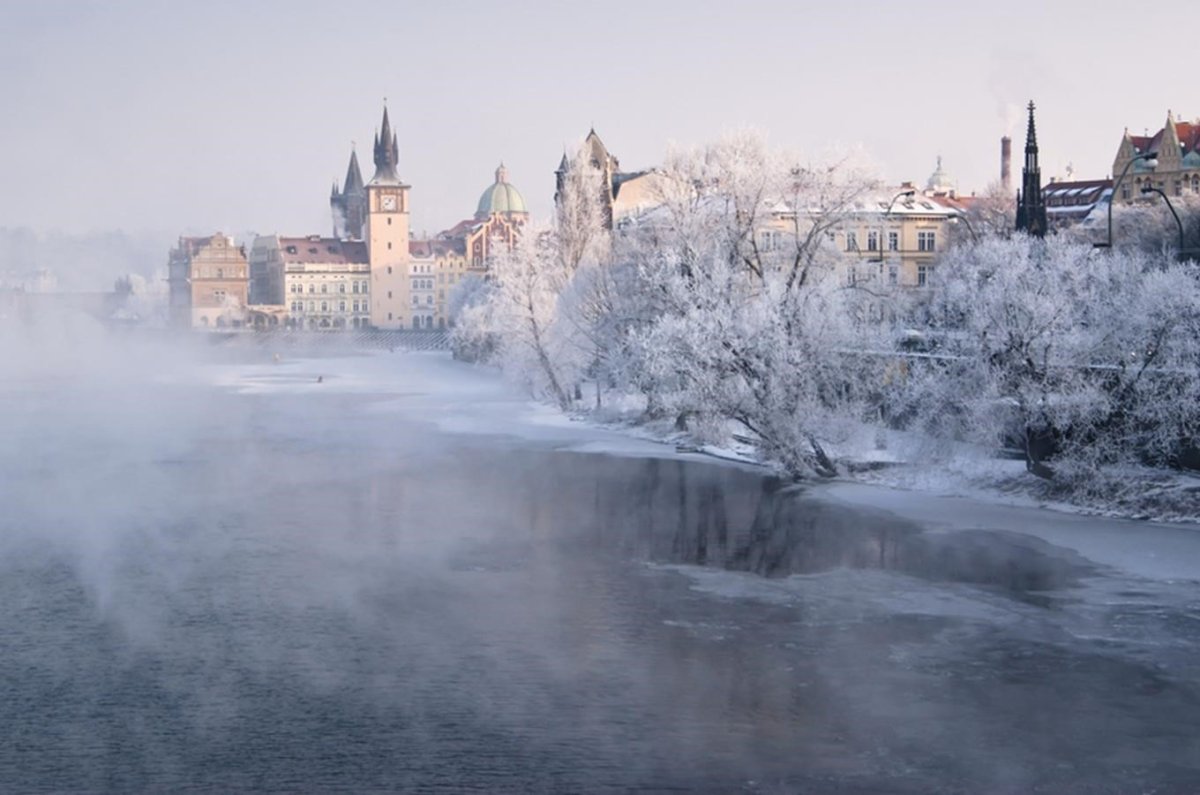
(236, 115)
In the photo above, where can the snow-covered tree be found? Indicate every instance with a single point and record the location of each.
(1083, 357)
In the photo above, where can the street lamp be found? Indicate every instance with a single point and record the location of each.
(1146, 191)
(907, 194)
(1151, 161)
(954, 219)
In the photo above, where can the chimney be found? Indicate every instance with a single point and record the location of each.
(1006, 163)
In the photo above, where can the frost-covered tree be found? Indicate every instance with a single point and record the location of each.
(743, 316)
(1082, 357)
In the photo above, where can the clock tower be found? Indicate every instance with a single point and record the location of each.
(387, 234)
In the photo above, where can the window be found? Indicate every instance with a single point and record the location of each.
(312, 288)
(893, 241)
(872, 240)
(429, 299)
(389, 249)
(389, 220)
(851, 241)
(1178, 188)
(324, 306)
(389, 315)
(342, 288)
(341, 306)
(923, 274)
(220, 273)
(311, 306)
(893, 273)
(925, 241)
(1125, 192)
(416, 300)
(389, 293)
(389, 270)
(324, 288)
(354, 288)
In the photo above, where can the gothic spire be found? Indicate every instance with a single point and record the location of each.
(387, 152)
(1031, 207)
(354, 180)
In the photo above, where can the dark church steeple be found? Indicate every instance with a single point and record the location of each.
(387, 153)
(349, 206)
(1031, 207)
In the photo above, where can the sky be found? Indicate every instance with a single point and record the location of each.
(195, 117)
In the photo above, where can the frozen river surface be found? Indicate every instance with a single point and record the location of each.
(230, 577)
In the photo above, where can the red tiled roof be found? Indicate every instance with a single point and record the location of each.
(1187, 132)
(323, 250)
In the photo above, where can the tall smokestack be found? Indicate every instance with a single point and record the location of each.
(1006, 163)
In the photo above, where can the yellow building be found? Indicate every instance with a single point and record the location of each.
(208, 281)
(896, 239)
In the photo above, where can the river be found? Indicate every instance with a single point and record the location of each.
(259, 582)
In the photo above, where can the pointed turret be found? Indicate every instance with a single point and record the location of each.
(387, 153)
(354, 180)
(349, 206)
(1168, 146)
(1031, 207)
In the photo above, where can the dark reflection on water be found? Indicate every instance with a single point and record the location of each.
(335, 603)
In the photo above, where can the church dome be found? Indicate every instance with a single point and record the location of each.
(500, 197)
(939, 181)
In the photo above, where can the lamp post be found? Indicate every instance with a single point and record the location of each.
(1151, 161)
(954, 219)
(886, 213)
(1147, 190)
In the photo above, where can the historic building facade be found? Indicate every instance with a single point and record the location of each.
(1173, 166)
(322, 283)
(208, 281)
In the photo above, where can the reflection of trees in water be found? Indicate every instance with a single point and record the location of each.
(678, 511)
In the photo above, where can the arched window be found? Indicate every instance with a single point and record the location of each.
(324, 306)
(324, 288)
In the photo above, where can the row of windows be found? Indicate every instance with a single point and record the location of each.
(355, 287)
(926, 241)
(924, 275)
(1177, 187)
(417, 300)
(356, 306)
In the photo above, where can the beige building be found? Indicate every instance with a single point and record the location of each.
(1176, 160)
(897, 239)
(208, 282)
(322, 283)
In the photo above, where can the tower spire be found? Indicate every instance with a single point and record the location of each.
(1031, 206)
(387, 151)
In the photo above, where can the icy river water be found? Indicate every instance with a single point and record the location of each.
(254, 582)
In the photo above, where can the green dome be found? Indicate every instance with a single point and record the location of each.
(500, 197)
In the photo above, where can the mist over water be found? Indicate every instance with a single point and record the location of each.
(217, 589)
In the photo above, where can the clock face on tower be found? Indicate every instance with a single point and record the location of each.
(388, 202)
